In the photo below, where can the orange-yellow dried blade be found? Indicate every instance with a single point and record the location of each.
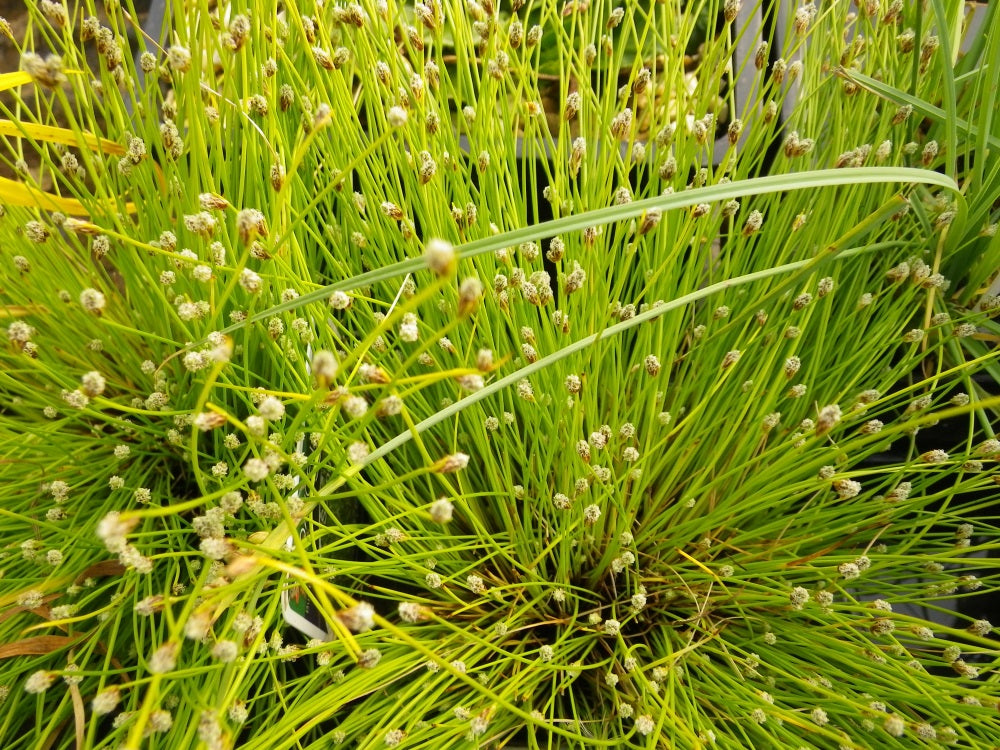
(79, 717)
(13, 193)
(10, 80)
(40, 645)
(53, 134)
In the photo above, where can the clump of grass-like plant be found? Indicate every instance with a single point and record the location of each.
(576, 429)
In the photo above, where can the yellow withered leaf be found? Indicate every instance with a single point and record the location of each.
(13, 193)
(53, 134)
(10, 80)
(21, 77)
(21, 311)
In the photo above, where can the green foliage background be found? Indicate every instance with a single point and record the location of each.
(633, 488)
